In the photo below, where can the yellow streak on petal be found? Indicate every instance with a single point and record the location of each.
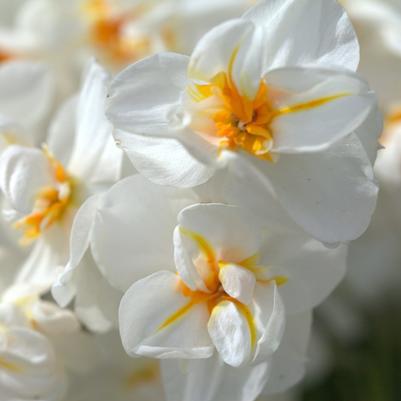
(312, 104)
(211, 279)
(246, 312)
(10, 366)
(177, 315)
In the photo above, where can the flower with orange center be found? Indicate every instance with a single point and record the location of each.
(51, 202)
(229, 290)
(254, 91)
(108, 32)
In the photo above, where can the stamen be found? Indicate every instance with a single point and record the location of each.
(50, 204)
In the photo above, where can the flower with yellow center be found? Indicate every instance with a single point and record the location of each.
(256, 91)
(229, 291)
(46, 189)
(51, 202)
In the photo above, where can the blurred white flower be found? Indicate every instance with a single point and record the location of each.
(245, 97)
(28, 361)
(65, 33)
(44, 188)
(116, 376)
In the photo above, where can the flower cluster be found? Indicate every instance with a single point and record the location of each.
(191, 201)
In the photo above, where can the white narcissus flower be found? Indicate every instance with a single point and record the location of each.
(275, 94)
(30, 368)
(64, 33)
(44, 189)
(229, 292)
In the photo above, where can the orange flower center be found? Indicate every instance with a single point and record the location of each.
(50, 204)
(108, 33)
(239, 122)
(209, 268)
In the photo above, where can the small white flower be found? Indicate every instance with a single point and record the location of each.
(270, 94)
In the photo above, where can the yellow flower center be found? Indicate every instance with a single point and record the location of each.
(208, 267)
(50, 204)
(239, 122)
(108, 33)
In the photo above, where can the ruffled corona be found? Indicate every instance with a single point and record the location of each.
(50, 204)
(214, 275)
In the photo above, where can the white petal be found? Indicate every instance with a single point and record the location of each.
(23, 172)
(335, 190)
(208, 234)
(64, 289)
(93, 130)
(26, 91)
(144, 313)
(134, 230)
(215, 50)
(141, 96)
(96, 302)
(306, 31)
(169, 161)
(233, 232)
(369, 132)
(238, 282)
(32, 370)
(212, 380)
(230, 332)
(269, 318)
(50, 319)
(311, 270)
(308, 97)
(289, 363)
(60, 138)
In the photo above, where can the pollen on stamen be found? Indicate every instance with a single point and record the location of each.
(50, 204)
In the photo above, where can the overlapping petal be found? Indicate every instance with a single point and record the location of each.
(157, 320)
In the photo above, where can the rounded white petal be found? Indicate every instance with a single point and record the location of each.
(215, 50)
(133, 231)
(157, 320)
(336, 190)
(310, 269)
(181, 162)
(233, 232)
(230, 332)
(308, 97)
(306, 31)
(23, 172)
(30, 368)
(50, 319)
(142, 96)
(238, 282)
